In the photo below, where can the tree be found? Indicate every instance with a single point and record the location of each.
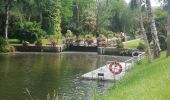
(28, 31)
(66, 14)
(52, 18)
(7, 8)
(89, 22)
(168, 31)
(40, 8)
(156, 49)
(143, 30)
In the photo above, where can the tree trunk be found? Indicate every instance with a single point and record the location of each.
(156, 49)
(144, 32)
(78, 13)
(6, 20)
(168, 31)
(41, 17)
(29, 18)
(96, 15)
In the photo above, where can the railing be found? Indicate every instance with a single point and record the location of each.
(128, 63)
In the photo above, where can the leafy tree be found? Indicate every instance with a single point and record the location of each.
(7, 6)
(51, 18)
(160, 21)
(28, 31)
(66, 14)
(137, 4)
(168, 30)
(89, 22)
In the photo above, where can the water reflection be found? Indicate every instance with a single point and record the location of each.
(42, 73)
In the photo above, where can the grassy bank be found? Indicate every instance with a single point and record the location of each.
(144, 82)
(132, 44)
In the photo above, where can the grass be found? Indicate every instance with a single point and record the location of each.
(44, 41)
(132, 44)
(47, 41)
(13, 41)
(144, 82)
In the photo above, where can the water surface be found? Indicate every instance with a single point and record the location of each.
(42, 73)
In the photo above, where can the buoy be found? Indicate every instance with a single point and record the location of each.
(116, 66)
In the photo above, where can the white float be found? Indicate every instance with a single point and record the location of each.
(103, 73)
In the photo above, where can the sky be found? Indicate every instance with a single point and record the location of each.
(153, 3)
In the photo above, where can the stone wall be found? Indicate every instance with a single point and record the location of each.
(39, 48)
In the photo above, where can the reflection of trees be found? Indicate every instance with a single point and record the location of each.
(80, 61)
(43, 73)
(100, 62)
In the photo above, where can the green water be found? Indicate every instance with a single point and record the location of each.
(42, 73)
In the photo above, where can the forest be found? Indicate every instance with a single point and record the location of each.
(31, 20)
(55, 17)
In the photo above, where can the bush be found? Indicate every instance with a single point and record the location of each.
(141, 46)
(162, 41)
(5, 47)
(89, 39)
(38, 42)
(109, 33)
(101, 41)
(119, 43)
(69, 33)
(3, 42)
(28, 31)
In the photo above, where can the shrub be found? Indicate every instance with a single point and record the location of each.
(89, 39)
(69, 33)
(28, 31)
(108, 33)
(3, 42)
(38, 42)
(5, 47)
(101, 41)
(119, 44)
(78, 40)
(10, 48)
(162, 41)
(141, 46)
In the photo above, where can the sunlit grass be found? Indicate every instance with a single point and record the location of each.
(13, 41)
(132, 44)
(144, 82)
(44, 41)
(47, 41)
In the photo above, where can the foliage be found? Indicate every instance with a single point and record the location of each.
(119, 43)
(108, 33)
(28, 31)
(3, 42)
(69, 33)
(160, 20)
(69, 38)
(141, 46)
(89, 22)
(89, 39)
(66, 14)
(79, 16)
(5, 47)
(66, 10)
(39, 42)
(162, 40)
(52, 19)
(101, 41)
